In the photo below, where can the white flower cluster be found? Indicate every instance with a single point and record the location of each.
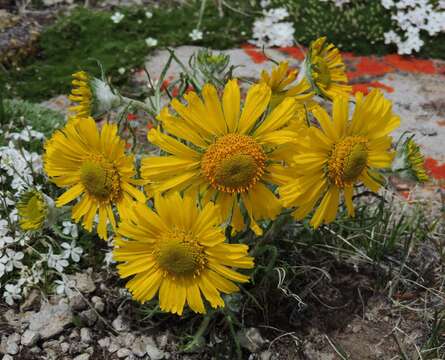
(271, 30)
(19, 164)
(413, 16)
(20, 269)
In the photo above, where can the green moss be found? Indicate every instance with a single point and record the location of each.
(20, 113)
(81, 39)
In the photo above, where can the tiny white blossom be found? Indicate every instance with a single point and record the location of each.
(71, 251)
(56, 261)
(148, 14)
(151, 42)
(64, 287)
(108, 259)
(12, 259)
(117, 17)
(196, 35)
(12, 292)
(121, 70)
(70, 229)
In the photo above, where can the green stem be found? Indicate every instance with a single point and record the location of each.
(138, 104)
(199, 333)
(229, 320)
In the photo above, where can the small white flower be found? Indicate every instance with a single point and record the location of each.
(56, 261)
(151, 42)
(5, 240)
(70, 229)
(148, 14)
(108, 259)
(121, 70)
(117, 17)
(12, 292)
(72, 251)
(12, 260)
(64, 287)
(196, 34)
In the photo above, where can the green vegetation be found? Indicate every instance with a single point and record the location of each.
(85, 37)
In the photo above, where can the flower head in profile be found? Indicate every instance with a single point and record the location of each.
(93, 166)
(283, 83)
(178, 251)
(409, 162)
(339, 154)
(224, 154)
(325, 69)
(33, 209)
(93, 96)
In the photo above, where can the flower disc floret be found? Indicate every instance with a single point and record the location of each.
(348, 160)
(101, 180)
(234, 163)
(180, 254)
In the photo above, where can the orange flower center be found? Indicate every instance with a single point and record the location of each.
(234, 163)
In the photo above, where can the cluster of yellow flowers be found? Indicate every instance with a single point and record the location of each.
(226, 161)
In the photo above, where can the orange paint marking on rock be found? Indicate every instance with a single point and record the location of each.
(437, 171)
(441, 122)
(294, 52)
(411, 64)
(256, 55)
(365, 87)
(369, 66)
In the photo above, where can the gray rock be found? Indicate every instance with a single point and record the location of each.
(85, 335)
(74, 334)
(105, 342)
(12, 344)
(266, 355)
(123, 352)
(154, 353)
(51, 319)
(82, 357)
(114, 347)
(29, 338)
(31, 301)
(13, 319)
(77, 302)
(251, 339)
(162, 340)
(127, 339)
(98, 303)
(64, 347)
(83, 281)
(89, 317)
(119, 324)
(139, 347)
(7, 357)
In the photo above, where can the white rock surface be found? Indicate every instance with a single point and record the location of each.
(51, 319)
(29, 338)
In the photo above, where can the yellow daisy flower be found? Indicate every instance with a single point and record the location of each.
(339, 154)
(93, 96)
(32, 209)
(81, 94)
(409, 162)
(94, 165)
(280, 80)
(180, 252)
(415, 161)
(228, 156)
(325, 69)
